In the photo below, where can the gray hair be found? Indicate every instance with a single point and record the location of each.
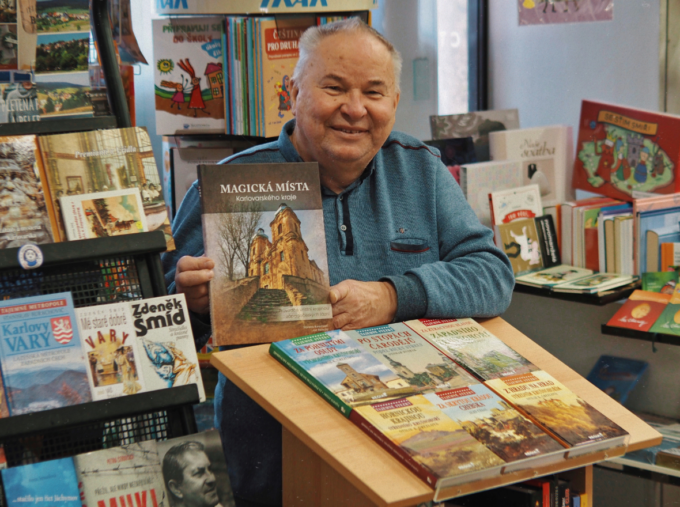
(313, 36)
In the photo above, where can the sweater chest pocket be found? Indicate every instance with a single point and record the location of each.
(408, 253)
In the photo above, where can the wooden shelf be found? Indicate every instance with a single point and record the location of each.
(666, 339)
(599, 299)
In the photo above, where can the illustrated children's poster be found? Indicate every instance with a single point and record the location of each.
(188, 75)
(543, 12)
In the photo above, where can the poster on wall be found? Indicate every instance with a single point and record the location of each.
(543, 12)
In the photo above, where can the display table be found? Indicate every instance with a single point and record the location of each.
(328, 461)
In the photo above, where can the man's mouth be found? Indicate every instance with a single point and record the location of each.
(350, 130)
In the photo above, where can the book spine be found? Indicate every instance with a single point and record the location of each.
(225, 77)
(307, 378)
(548, 241)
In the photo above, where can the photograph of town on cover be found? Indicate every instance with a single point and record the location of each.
(62, 52)
(60, 16)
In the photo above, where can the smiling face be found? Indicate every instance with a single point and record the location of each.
(344, 103)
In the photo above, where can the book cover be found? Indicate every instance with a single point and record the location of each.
(476, 124)
(43, 365)
(188, 75)
(598, 282)
(664, 220)
(25, 214)
(655, 238)
(661, 281)
(112, 351)
(46, 484)
(617, 376)
(121, 475)
(546, 155)
(558, 410)
(103, 214)
(412, 358)
(515, 203)
(198, 455)
(621, 150)
(547, 238)
(163, 330)
(553, 276)
(266, 288)
(519, 240)
(102, 161)
(472, 346)
(640, 311)
(670, 256)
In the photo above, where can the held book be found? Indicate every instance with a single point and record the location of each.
(42, 484)
(263, 225)
(617, 376)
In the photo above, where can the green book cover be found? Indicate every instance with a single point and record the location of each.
(660, 281)
(669, 321)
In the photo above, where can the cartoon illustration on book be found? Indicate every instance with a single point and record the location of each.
(170, 363)
(284, 95)
(523, 247)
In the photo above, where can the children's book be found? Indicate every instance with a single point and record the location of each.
(554, 276)
(515, 203)
(595, 283)
(263, 225)
(520, 241)
(640, 311)
(617, 376)
(43, 364)
(45, 484)
(660, 281)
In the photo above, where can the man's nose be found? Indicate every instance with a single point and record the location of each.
(353, 105)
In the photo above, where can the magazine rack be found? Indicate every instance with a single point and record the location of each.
(329, 461)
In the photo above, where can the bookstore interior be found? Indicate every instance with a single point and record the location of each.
(339, 253)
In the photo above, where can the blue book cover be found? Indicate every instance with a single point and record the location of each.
(43, 365)
(617, 376)
(46, 484)
(653, 220)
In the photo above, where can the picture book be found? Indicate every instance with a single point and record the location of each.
(554, 276)
(44, 484)
(617, 376)
(24, 214)
(43, 365)
(103, 214)
(199, 450)
(472, 346)
(112, 351)
(595, 283)
(660, 281)
(515, 203)
(412, 358)
(102, 161)
(475, 124)
(188, 75)
(520, 241)
(640, 311)
(490, 420)
(164, 333)
(559, 411)
(120, 474)
(266, 288)
(621, 150)
(546, 155)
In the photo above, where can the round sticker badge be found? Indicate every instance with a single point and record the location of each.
(30, 256)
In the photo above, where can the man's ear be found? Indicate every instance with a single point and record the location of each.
(174, 488)
(396, 100)
(294, 90)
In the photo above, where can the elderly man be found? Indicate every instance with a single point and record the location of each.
(188, 477)
(402, 242)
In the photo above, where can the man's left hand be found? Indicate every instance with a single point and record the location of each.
(357, 305)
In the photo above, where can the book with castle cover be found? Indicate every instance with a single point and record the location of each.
(188, 75)
(472, 346)
(263, 226)
(546, 155)
(163, 333)
(640, 311)
(43, 365)
(121, 474)
(44, 484)
(111, 349)
(490, 420)
(622, 150)
(560, 412)
(102, 161)
(25, 216)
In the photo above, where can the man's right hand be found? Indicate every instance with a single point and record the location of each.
(191, 278)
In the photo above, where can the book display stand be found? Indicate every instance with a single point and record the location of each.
(329, 461)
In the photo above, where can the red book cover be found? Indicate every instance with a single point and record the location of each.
(622, 149)
(592, 246)
(640, 311)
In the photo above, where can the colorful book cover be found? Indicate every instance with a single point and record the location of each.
(621, 150)
(554, 276)
(197, 454)
(472, 346)
(108, 339)
(188, 75)
(557, 410)
(520, 241)
(45, 484)
(266, 288)
(103, 214)
(164, 332)
(43, 364)
(24, 213)
(640, 311)
(120, 474)
(412, 358)
(546, 155)
(598, 282)
(661, 281)
(617, 376)
(669, 320)
(65, 95)
(476, 124)
(105, 160)
(515, 203)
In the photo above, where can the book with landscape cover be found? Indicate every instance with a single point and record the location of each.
(119, 475)
(111, 349)
(102, 161)
(560, 412)
(472, 346)
(163, 332)
(44, 484)
(43, 364)
(263, 226)
(617, 376)
(640, 311)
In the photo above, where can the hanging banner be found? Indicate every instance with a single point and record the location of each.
(543, 12)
